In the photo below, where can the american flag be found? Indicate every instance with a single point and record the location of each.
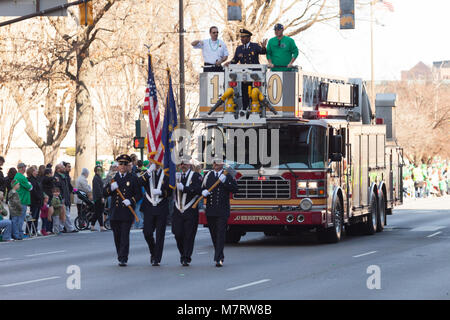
(154, 146)
(388, 5)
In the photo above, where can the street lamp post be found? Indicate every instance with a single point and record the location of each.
(372, 92)
(181, 62)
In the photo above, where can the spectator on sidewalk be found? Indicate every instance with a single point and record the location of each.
(37, 196)
(57, 212)
(63, 183)
(5, 224)
(82, 184)
(2, 176)
(24, 190)
(46, 228)
(15, 211)
(8, 180)
(99, 201)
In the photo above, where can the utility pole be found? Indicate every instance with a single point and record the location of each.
(372, 92)
(182, 92)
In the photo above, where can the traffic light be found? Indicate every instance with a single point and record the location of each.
(139, 142)
(86, 8)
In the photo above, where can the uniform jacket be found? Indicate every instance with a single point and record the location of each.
(163, 206)
(194, 189)
(218, 202)
(248, 55)
(129, 186)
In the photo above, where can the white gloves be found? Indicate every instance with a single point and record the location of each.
(222, 178)
(157, 192)
(180, 186)
(114, 186)
(126, 202)
(205, 193)
(151, 169)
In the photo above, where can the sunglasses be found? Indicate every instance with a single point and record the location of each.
(123, 163)
(215, 32)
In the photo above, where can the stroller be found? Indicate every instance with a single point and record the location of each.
(87, 210)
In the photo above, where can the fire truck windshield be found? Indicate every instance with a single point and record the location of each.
(299, 147)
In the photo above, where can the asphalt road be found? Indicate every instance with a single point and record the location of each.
(411, 258)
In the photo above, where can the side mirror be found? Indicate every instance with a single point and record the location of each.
(335, 148)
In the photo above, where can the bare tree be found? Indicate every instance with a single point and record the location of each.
(10, 118)
(422, 118)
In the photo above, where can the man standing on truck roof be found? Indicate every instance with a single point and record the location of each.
(281, 50)
(214, 50)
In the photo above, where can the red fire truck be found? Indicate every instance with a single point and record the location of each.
(338, 165)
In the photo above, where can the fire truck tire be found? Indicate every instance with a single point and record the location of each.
(382, 217)
(370, 227)
(333, 234)
(232, 236)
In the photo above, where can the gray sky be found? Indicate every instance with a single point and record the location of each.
(416, 31)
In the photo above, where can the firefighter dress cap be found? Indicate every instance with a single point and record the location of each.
(245, 32)
(123, 158)
(218, 160)
(185, 159)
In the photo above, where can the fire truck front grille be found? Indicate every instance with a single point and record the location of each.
(270, 188)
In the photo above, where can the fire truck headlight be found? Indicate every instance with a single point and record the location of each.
(306, 204)
(313, 184)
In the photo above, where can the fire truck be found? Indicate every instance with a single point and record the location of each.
(338, 168)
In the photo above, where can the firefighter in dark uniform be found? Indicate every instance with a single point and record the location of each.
(218, 206)
(185, 218)
(121, 216)
(156, 209)
(247, 53)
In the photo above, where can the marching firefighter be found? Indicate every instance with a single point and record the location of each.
(125, 192)
(218, 205)
(156, 209)
(185, 217)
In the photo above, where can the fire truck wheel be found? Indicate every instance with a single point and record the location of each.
(333, 234)
(232, 236)
(382, 218)
(370, 227)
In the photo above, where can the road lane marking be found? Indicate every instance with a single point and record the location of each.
(248, 285)
(364, 254)
(5, 259)
(434, 234)
(27, 282)
(44, 253)
(428, 228)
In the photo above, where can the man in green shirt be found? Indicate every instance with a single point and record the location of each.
(281, 50)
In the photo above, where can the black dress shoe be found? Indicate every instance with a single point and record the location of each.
(122, 264)
(185, 264)
(219, 263)
(155, 264)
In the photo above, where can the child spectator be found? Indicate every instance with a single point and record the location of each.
(15, 211)
(45, 229)
(4, 223)
(57, 211)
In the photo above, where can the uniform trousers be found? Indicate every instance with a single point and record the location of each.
(217, 228)
(154, 222)
(184, 227)
(121, 231)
